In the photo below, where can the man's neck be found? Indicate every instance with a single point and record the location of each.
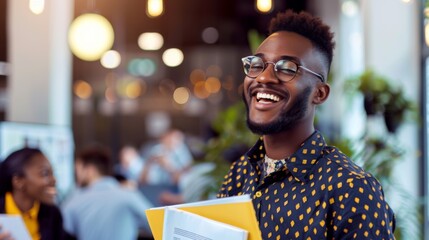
(94, 177)
(284, 144)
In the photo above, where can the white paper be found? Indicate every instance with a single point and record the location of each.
(15, 226)
(182, 225)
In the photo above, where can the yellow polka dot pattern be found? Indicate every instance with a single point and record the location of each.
(322, 195)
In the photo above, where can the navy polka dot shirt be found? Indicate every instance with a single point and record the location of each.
(320, 194)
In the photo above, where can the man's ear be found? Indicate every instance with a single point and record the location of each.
(322, 93)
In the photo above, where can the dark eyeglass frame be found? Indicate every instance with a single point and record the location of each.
(246, 61)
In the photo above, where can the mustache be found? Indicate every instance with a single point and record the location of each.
(270, 87)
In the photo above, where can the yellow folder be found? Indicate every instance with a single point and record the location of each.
(238, 214)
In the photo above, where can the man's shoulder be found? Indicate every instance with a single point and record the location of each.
(341, 165)
(102, 198)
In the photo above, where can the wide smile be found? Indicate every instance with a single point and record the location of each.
(51, 191)
(266, 97)
(263, 99)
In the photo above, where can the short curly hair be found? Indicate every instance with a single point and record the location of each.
(308, 26)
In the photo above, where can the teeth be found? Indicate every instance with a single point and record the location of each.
(51, 190)
(271, 97)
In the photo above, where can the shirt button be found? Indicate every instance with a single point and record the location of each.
(258, 194)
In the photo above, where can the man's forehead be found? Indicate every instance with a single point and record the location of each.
(288, 38)
(285, 43)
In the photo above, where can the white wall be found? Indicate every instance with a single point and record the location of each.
(384, 36)
(39, 80)
(392, 45)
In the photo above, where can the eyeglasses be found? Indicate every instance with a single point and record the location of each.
(285, 70)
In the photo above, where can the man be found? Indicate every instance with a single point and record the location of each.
(301, 188)
(103, 209)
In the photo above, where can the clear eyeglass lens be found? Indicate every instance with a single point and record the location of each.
(284, 69)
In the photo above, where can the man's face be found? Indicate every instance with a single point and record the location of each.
(274, 106)
(81, 173)
(287, 118)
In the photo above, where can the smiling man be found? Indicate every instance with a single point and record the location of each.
(301, 188)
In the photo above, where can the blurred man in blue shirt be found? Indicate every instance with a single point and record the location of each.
(102, 209)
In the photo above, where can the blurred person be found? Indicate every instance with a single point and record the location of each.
(101, 208)
(301, 188)
(167, 160)
(27, 188)
(165, 164)
(124, 182)
(130, 163)
(193, 185)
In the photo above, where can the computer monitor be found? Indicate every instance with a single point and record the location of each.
(56, 142)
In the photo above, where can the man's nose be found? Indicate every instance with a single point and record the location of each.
(268, 75)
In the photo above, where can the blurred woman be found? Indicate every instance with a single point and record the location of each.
(27, 188)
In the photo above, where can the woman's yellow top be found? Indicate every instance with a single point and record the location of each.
(29, 217)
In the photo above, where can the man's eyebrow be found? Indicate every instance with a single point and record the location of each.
(291, 58)
(284, 57)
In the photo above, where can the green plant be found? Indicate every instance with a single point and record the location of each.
(233, 134)
(379, 154)
(255, 39)
(380, 97)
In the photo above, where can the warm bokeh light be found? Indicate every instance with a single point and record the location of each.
(181, 95)
(111, 59)
(36, 6)
(197, 75)
(133, 89)
(200, 90)
(172, 57)
(82, 89)
(142, 67)
(264, 6)
(154, 8)
(349, 8)
(130, 87)
(90, 36)
(210, 35)
(212, 85)
(150, 41)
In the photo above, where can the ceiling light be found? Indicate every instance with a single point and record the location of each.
(90, 36)
(349, 8)
(36, 6)
(172, 57)
(110, 59)
(154, 8)
(150, 41)
(264, 6)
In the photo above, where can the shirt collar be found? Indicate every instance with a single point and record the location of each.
(12, 208)
(300, 162)
(103, 183)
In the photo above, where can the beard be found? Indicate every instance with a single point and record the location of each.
(287, 118)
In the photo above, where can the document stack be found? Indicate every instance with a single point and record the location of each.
(231, 218)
